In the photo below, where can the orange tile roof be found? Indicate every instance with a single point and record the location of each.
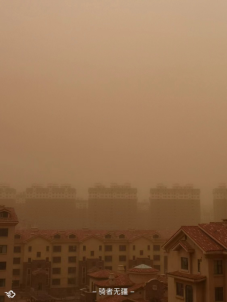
(217, 230)
(121, 281)
(102, 274)
(192, 277)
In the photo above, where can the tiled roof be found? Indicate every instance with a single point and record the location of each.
(192, 277)
(82, 235)
(121, 281)
(206, 243)
(143, 269)
(185, 245)
(217, 230)
(102, 274)
(136, 287)
(12, 217)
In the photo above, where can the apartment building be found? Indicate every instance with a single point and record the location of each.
(59, 261)
(8, 221)
(172, 207)
(197, 263)
(41, 202)
(112, 207)
(7, 195)
(220, 202)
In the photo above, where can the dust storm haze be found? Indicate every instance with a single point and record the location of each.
(113, 91)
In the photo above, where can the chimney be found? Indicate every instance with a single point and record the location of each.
(120, 268)
(111, 279)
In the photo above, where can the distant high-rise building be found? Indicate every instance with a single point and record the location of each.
(51, 207)
(220, 202)
(7, 195)
(112, 207)
(172, 207)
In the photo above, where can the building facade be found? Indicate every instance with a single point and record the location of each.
(172, 207)
(7, 195)
(220, 202)
(197, 263)
(8, 221)
(113, 207)
(59, 261)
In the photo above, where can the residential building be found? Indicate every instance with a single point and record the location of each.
(220, 202)
(8, 221)
(114, 207)
(59, 261)
(7, 195)
(172, 207)
(197, 258)
(41, 202)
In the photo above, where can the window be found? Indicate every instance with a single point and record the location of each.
(108, 258)
(47, 258)
(154, 287)
(2, 298)
(3, 249)
(108, 248)
(134, 257)
(156, 248)
(84, 248)
(38, 254)
(219, 294)
(122, 258)
(16, 260)
(100, 248)
(72, 248)
(47, 248)
(2, 266)
(16, 272)
(141, 252)
(84, 258)
(155, 236)
(56, 281)
(3, 232)
(29, 271)
(71, 281)
(179, 289)
(29, 259)
(71, 270)
(17, 249)
(218, 270)
(100, 257)
(57, 236)
(4, 214)
(56, 248)
(56, 270)
(122, 248)
(2, 282)
(72, 236)
(72, 259)
(148, 248)
(56, 259)
(17, 236)
(184, 263)
(92, 253)
(122, 236)
(109, 268)
(108, 236)
(133, 247)
(15, 283)
(29, 248)
(157, 267)
(157, 257)
(199, 264)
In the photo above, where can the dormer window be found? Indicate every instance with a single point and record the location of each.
(4, 214)
(156, 236)
(72, 236)
(17, 236)
(57, 236)
(184, 263)
(108, 236)
(122, 236)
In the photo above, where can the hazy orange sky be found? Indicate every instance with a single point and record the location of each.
(113, 91)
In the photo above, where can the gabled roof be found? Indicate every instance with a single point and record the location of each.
(217, 231)
(199, 237)
(185, 245)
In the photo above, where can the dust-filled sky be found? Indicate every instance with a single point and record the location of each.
(113, 91)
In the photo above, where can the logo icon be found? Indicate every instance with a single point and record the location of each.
(10, 294)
